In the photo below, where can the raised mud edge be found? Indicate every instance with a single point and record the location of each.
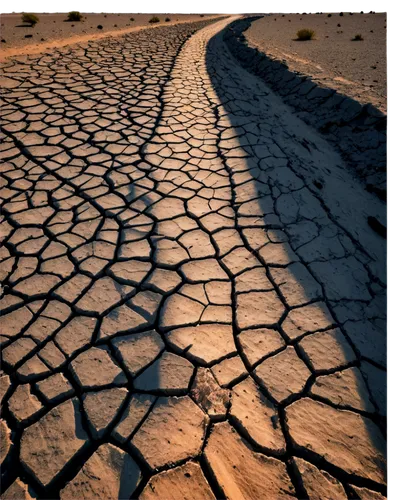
(357, 131)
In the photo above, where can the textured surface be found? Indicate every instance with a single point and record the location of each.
(191, 293)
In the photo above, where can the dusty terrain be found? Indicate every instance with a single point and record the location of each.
(53, 28)
(193, 301)
(357, 69)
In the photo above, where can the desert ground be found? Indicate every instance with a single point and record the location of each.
(193, 276)
(54, 30)
(334, 59)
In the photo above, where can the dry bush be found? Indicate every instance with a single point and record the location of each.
(31, 19)
(305, 34)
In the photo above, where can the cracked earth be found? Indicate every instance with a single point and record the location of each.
(193, 302)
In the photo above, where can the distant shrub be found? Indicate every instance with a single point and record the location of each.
(99, 27)
(31, 19)
(305, 34)
(154, 19)
(358, 38)
(201, 15)
(132, 19)
(329, 15)
(339, 25)
(74, 16)
(341, 14)
(167, 19)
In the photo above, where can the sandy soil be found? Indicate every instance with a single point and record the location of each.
(53, 28)
(357, 69)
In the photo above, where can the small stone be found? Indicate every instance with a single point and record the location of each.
(109, 473)
(283, 375)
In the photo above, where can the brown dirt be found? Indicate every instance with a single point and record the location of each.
(53, 30)
(357, 69)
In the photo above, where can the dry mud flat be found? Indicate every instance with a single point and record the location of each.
(193, 302)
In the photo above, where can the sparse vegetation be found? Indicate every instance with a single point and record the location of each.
(74, 16)
(154, 19)
(341, 14)
(329, 15)
(201, 15)
(31, 19)
(305, 34)
(358, 38)
(132, 19)
(99, 27)
(167, 19)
